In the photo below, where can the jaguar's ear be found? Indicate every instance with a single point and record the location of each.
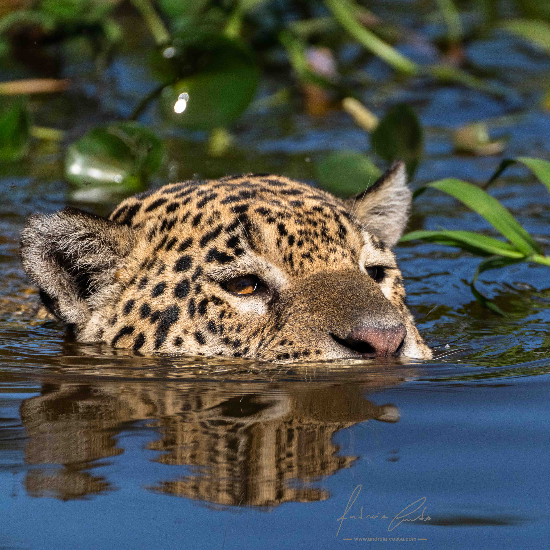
(72, 256)
(384, 207)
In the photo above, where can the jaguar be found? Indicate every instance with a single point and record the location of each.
(254, 266)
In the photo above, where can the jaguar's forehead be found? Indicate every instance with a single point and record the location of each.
(286, 222)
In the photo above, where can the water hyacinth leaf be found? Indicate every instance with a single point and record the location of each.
(221, 81)
(14, 129)
(399, 136)
(467, 240)
(535, 32)
(541, 169)
(490, 209)
(119, 158)
(346, 173)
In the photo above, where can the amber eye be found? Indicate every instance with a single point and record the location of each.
(376, 272)
(245, 285)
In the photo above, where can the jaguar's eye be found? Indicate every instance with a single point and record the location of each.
(376, 272)
(245, 285)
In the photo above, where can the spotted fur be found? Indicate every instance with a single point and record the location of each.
(154, 275)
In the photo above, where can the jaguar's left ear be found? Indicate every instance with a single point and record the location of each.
(384, 207)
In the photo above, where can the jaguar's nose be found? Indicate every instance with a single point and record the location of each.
(374, 341)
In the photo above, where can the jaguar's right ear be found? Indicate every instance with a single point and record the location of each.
(72, 256)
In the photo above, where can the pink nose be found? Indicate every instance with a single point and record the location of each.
(375, 341)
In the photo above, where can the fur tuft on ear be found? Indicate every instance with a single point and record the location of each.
(384, 207)
(72, 256)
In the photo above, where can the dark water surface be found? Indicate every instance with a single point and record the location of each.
(103, 449)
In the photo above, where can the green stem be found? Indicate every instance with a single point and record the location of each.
(50, 134)
(539, 259)
(156, 26)
(343, 11)
(452, 20)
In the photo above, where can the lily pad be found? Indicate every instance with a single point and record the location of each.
(346, 173)
(399, 136)
(118, 158)
(220, 77)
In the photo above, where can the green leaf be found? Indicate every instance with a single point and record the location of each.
(219, 76)
(119, 157)
(541, 169)
(494, 212)
(467, 240)
(14, 129)
(399, 137)
(345, 173)
(534, 31)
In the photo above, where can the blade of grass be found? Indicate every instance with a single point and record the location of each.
(154, 22)
(343, 11)
(480, 244)
(541, 169)
(490, 209)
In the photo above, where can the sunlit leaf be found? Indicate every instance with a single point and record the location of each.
(534, 31)
(120, 157)
(218, 74)
(14, 129)
(467, 240)
(345, 173)
(488, 207)
(399, 136)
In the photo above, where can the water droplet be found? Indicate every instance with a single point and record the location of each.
(169, 52)
(181, 103)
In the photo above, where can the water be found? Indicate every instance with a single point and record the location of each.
(102, 449)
